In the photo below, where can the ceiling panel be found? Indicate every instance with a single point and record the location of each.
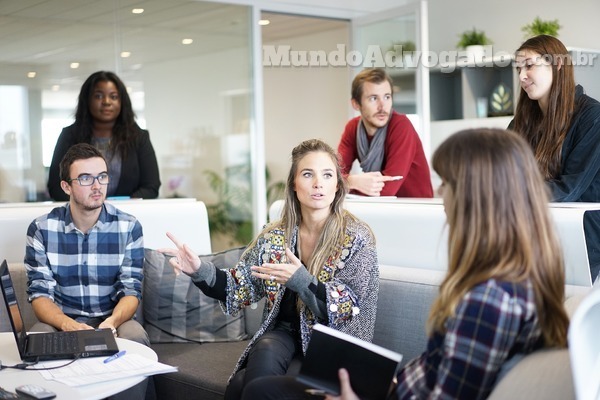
(9, 6)
(284, 26)
(51, 8)
(47, 35)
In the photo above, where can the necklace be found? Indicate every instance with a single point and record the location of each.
(299, 247)
(103, 145)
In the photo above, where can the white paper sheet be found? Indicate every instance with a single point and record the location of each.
(93, 370)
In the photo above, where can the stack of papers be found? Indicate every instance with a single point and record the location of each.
(87, 371)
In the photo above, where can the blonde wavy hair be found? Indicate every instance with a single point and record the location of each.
(334, 229)
(499, 226)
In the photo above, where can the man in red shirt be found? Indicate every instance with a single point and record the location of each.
(384, 142)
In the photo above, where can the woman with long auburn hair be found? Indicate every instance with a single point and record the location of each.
(499, 227)
(562, 125)
(502, 297)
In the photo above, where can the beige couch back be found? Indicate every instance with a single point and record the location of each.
(186, 218)
(411, 233)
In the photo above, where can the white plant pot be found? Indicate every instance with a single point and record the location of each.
(475, 51)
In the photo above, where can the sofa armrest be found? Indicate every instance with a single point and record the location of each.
(543, 374)
(18, 274)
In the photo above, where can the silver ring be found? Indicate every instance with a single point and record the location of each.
(114, 331)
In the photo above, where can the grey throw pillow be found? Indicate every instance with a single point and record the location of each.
(175, 310)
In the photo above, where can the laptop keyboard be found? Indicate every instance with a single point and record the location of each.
(60, 343)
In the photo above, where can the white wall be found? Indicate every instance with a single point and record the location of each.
(188, 116)
(502, 21)
(304, 102)
(322, 8)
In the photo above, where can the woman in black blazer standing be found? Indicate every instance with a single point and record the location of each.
(105, 118)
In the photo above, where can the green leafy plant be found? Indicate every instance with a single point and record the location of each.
(541, 27)
(408, 47)
(231, 215)
(473, 37)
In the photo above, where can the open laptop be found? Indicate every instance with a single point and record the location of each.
(53, 345)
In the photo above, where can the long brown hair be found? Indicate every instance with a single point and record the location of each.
(125, 129)
(546, 133)
(335, 226)
(499, 225)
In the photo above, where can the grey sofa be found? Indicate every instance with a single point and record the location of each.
(205, 368)
(402, 311)
(411, 248)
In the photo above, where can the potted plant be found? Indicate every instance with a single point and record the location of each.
(230, 218)
(473, 41)
(541, 27)
(405, 50)
(407, 47)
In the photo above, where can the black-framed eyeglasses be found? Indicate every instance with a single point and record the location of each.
(88, 180)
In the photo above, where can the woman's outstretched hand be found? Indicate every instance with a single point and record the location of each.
(183, 258)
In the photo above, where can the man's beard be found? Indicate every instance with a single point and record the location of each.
(90, 205)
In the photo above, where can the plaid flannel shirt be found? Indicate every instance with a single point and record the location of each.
(493, 322)
(85, 274)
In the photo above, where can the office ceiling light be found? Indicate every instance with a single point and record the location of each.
(74, 65)
(125, 54)
(137, 10)
(187, 41)
(264, 22)
(31, 74)
(55, 88)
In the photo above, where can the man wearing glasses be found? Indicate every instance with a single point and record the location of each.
(84, 260)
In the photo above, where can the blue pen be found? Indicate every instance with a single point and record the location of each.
(115, 356)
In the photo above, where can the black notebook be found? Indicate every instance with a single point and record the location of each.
(372, 368)
(53, 345)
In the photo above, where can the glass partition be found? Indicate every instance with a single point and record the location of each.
(396, 40)
(188, 69)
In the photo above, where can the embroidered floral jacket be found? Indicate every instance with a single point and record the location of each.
(351, 281)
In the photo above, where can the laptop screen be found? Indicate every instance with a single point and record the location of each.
(12, 306)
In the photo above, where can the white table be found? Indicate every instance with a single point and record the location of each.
(11, 378)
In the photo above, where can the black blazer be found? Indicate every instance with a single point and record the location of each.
(139, 171)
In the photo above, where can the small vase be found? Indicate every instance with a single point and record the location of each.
(501, 103)
(476, 51)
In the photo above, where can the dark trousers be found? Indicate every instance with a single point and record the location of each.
(271, 355)
(277, 388)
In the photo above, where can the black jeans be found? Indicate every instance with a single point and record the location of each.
(277, 388)
(271, 355)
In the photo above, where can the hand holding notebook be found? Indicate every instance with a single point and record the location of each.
(371, 367)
